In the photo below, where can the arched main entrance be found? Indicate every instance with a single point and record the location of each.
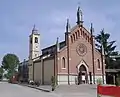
(82, 75)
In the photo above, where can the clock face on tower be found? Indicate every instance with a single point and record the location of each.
(81, 49)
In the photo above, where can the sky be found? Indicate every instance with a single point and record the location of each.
(17, 18)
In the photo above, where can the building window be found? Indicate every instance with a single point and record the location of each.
(83, 34)
(36, 40)
(35, 55)
(63, 62)
(71, 39)
(78, 33)
(74, 37)
(88, 38)
(98, 62)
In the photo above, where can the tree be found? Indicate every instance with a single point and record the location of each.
(10, 63)
(1, 72)
(116, 63)
(102, 39)
(109, 47)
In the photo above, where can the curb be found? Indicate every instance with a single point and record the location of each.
(45, 90)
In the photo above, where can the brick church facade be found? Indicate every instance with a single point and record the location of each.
(72, 61)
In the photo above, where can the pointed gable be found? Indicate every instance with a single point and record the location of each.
(79, 32)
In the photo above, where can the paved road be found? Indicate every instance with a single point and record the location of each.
(13, 90)
(77, 91)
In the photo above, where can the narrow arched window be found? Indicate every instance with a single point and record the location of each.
(85, 36)
(63, 62)
(78, 33)
(36, 40)
(81, 32)
(71, 39)
(98, 62)
(35, 55)
(74, 37)
(88, 38)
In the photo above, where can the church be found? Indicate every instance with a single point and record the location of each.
(72, 61)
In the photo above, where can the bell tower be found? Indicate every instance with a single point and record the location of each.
(34, 44)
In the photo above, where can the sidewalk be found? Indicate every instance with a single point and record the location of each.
(45, 88)
(68, 90)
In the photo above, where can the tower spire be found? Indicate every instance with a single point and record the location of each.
(79, 16)
(34, 30)
(57, 44)
(34, 27)
(67, 26)
(91, 29)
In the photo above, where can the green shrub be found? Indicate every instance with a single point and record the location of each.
(118, 81)
(99, 95)
(99, 81)
(53, 82)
